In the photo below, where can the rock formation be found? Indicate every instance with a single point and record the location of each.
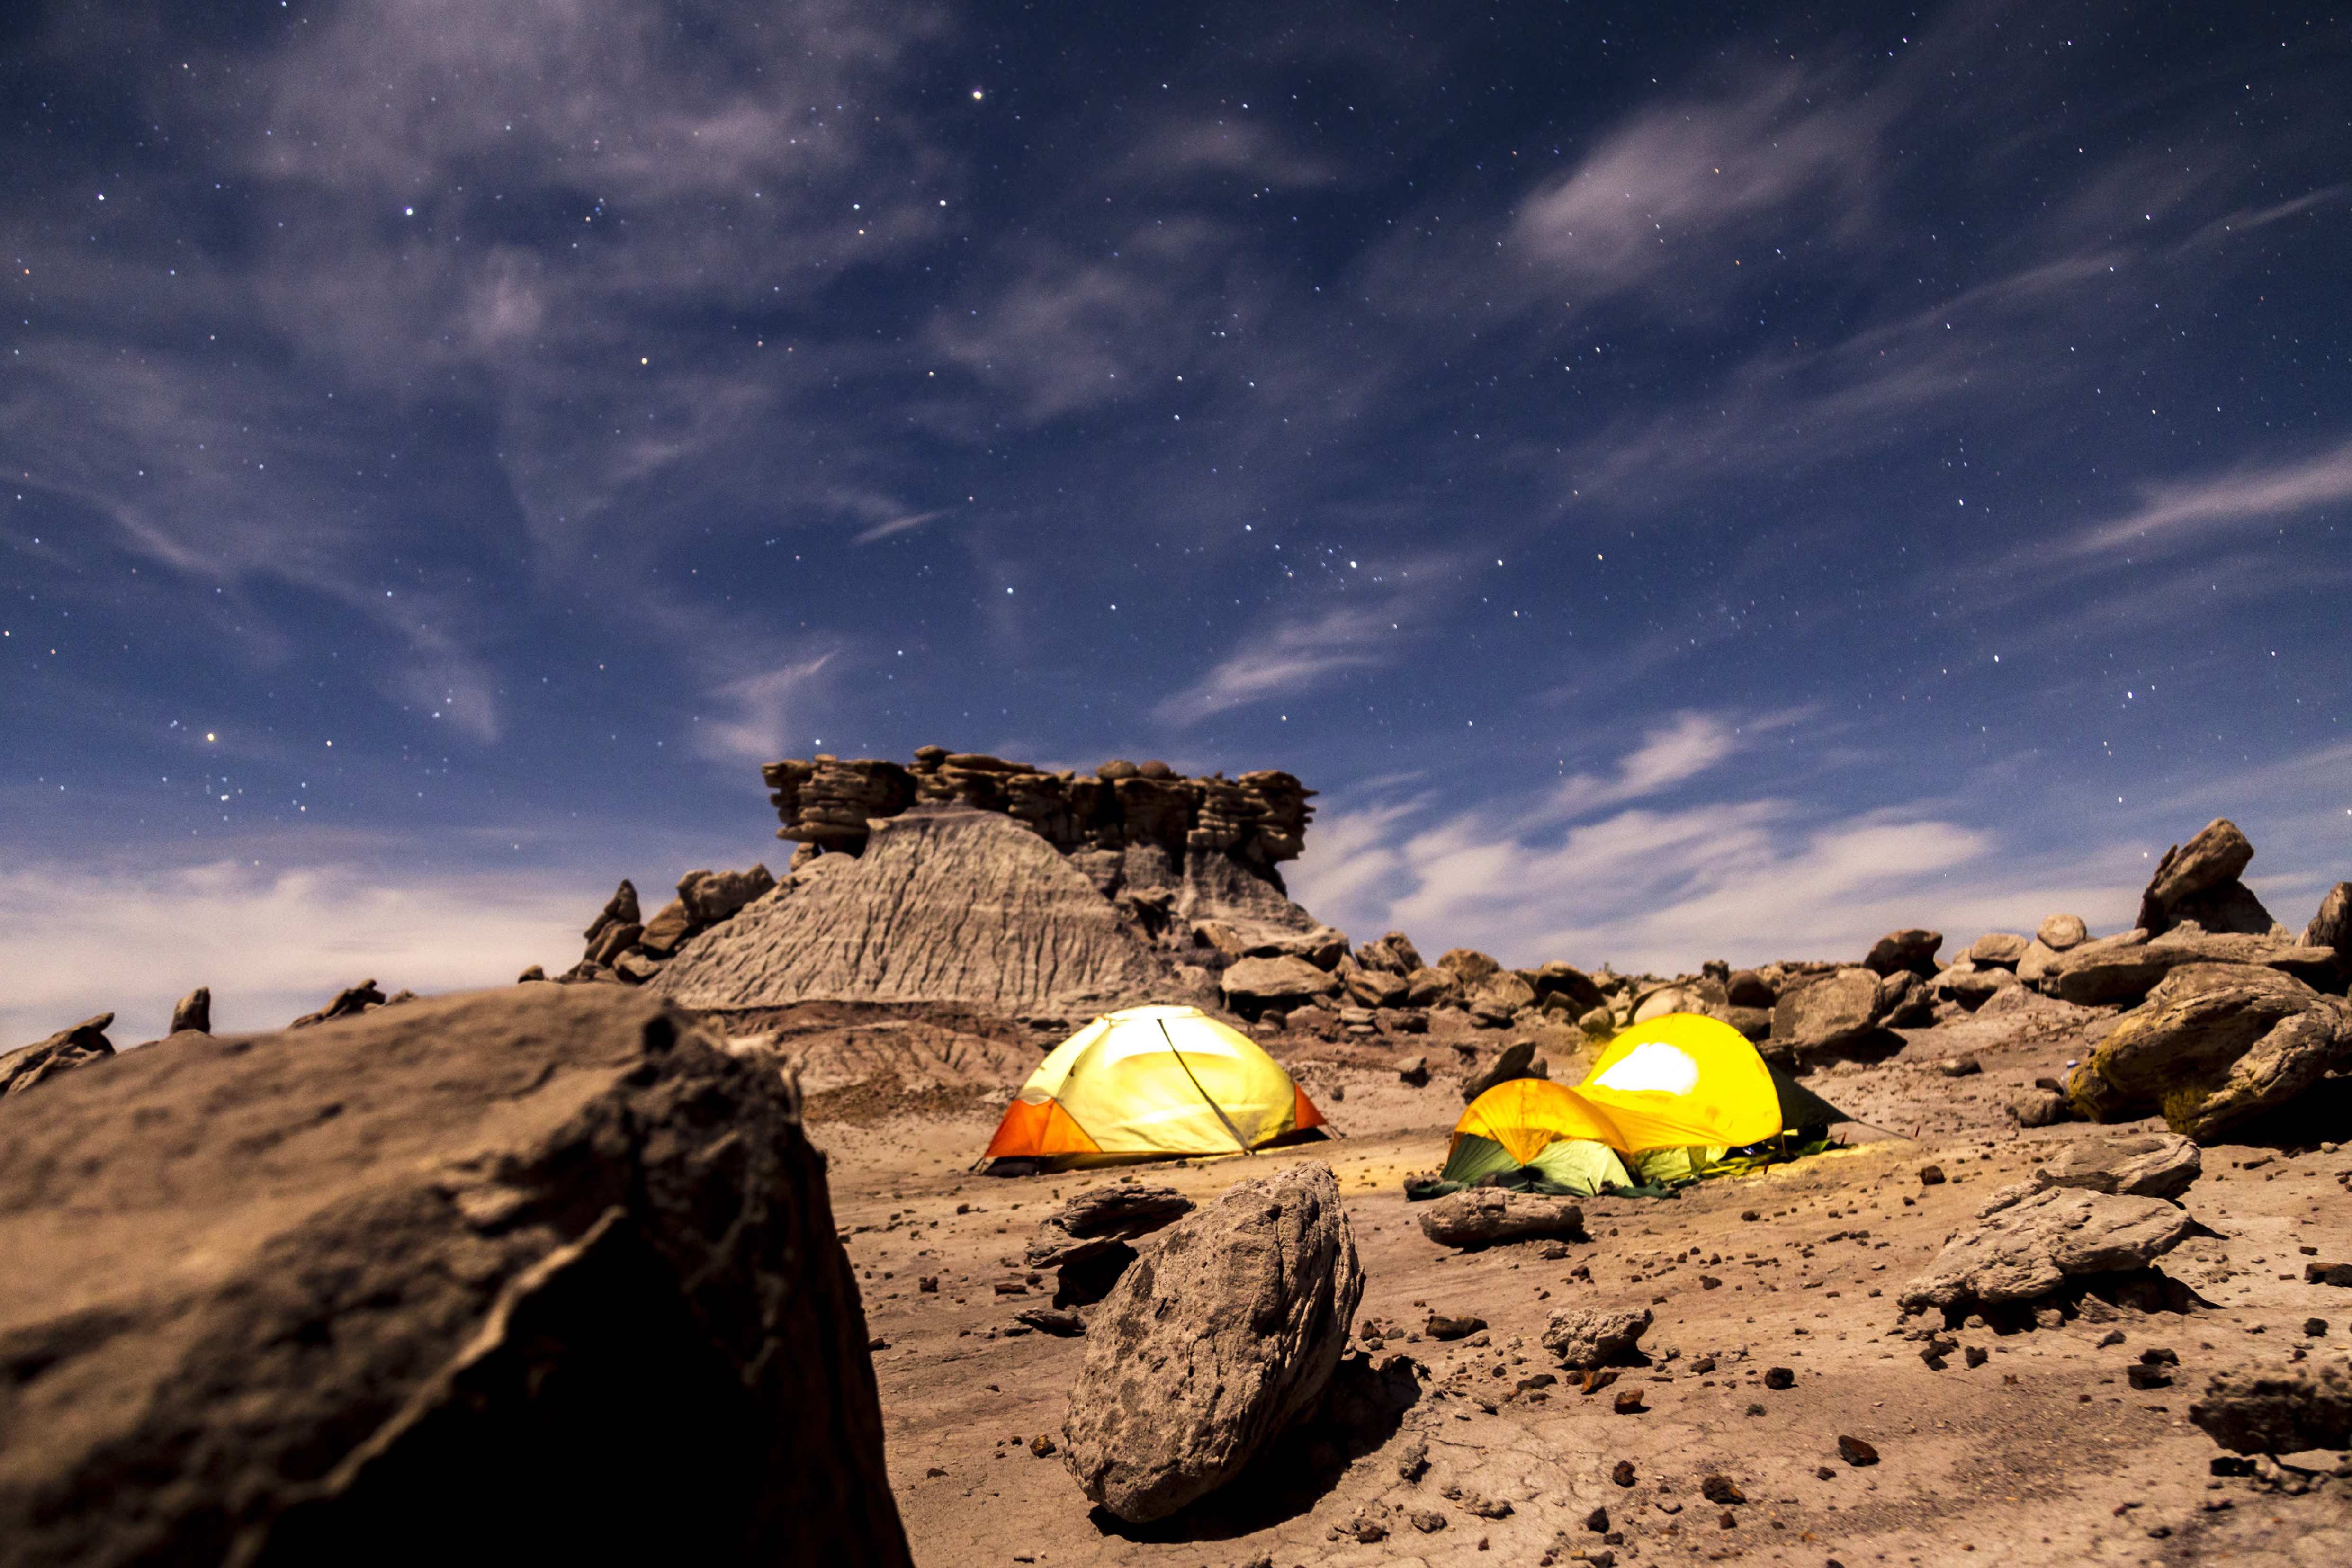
(944, 904)
(1222, 1334)
(193, 1012)
(2282, 1412)
(536, 1271)
(2213, 1045)
(77, 1046)
(1485, 1216)
(1584, 1338)
(2024, 1250)
(2198, 883)
(2332, 926)
(1258, 820)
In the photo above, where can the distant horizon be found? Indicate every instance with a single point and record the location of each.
(1684, 483)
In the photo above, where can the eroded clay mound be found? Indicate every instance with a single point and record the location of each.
(945, 905)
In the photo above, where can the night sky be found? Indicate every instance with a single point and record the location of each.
(1683, 481)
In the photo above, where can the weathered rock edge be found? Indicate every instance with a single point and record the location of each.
(535, 1269)
(1226, 1331)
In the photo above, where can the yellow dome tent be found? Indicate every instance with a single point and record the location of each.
(1150, 1083)
(1666, 1099)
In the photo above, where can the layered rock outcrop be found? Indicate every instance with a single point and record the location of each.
(1259, 820)
(541, 1271)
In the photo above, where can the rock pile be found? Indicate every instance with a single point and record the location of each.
(1221, 1335)
(538, 1270)
(620, 947)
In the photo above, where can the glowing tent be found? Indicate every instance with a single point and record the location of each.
(1666, 1099)
(1151, 1082)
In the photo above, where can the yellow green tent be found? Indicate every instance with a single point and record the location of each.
(1667, 1098)
(1152, 1081)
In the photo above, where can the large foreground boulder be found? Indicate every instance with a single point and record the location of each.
(537, 1273)
(2028, 1249)
(2213, 1045)
(1485, 1215)
(1224, 1332)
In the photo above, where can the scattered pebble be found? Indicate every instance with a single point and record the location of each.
(1854, 1451)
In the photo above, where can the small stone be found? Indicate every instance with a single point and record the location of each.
(1825, 1473)
(2327, 1273)
(1780, 1378)
(1856, 1452)
(1441, 1326)
(1976, 1356)
(2155, 1356)
(1931, 1175)
(1960, 1066)
(1429, 1521)
(1623, 1474)
(2313, 1328)
(1756, 1409)
(1042, 1446)
(1721, 1488)
(1413, 1463)
(1628, 1402)
(1728, 1521)
(1597, 1521)
(2142, 1377)
(2112, 1336)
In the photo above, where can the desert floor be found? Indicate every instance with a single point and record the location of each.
(2043, 1453)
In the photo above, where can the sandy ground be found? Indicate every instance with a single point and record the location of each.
(2041, 1454)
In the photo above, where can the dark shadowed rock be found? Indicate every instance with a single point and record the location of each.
(1747, 988)
(193, 1011)
(77, 1046)
(1430, 988)
(1911, 948)
(2332, 926)
(537, 1269)
(1584, 1338)
(1485, 1216)
(1222, 1334)
(348, 1002)
(1827, 1010)
(1393, 954)
(2198, 882)
(1517, 1060)
(2284, 1412)
(2024, 1251)
(1567, 981)
(711, 897)
(1092, 1223)
(621, 909)
(2190, 1036)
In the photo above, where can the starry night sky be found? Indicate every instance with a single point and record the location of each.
(1683, 481)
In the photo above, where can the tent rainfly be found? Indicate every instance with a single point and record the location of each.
(1151, 1082)
(1666, 1098)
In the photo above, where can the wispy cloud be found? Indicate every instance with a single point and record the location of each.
(1284, 661)
(769, 712)
(2180, 512)
(1688, 745)
(1687, 174)
(912, 520)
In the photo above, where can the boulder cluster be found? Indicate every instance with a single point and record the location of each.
(625, 946)
(1259, 819)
